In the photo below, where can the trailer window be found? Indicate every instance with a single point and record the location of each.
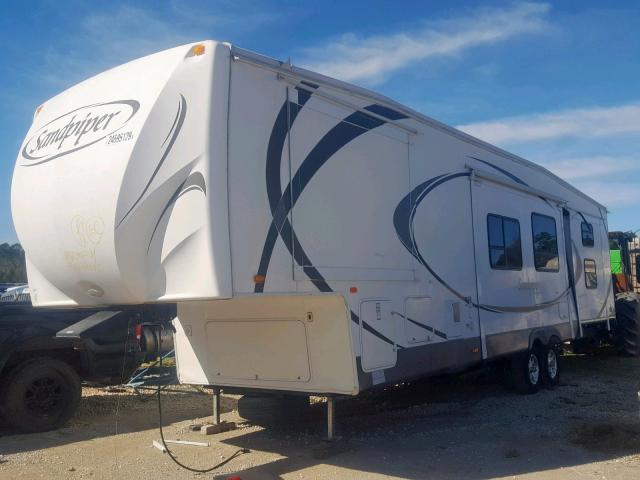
(505, 250)
(545, 243)
(587, 234)
(590, 275)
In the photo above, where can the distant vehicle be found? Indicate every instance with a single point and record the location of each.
(6, 286)
(318, 238)
(46, 353)
(16, 293)
(625, 269)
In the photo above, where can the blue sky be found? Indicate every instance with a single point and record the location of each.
(556, 83)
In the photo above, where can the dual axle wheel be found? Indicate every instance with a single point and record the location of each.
(537, 367)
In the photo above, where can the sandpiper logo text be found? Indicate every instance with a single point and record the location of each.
(77, 129)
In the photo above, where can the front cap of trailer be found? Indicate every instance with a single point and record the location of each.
(115, 194)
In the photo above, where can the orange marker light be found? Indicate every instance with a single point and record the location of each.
(259, 278)
(198, 50)
(38, 110)
(353, 290)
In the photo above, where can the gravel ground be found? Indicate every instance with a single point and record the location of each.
(467, 426)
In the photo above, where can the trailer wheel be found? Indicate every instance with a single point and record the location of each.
(551, 363)
(526, 371)
(273, 410)
(40, 395)
(627, 330)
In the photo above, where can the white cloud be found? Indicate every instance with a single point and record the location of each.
(600, 178)
(610, 179)
(584, 122)
(129, 28)
(612, 194)
(106, 38)
(371, 59)
(598, 166)
(487, 70)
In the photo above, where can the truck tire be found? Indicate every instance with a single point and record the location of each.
(273, 410)
(40, 395)
(627, 330)
(526, 371)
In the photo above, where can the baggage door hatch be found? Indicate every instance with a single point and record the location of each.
(377, 352)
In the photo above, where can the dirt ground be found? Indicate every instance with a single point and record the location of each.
(468, 426)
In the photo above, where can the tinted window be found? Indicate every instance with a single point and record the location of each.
(505, 250)
(545, 243)
(587, 234)
(590, 275)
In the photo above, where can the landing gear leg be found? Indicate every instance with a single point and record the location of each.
(216, 406)
(332, 443)
(331, 419)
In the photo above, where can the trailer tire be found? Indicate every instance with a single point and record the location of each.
(526, 371)
(39, 395)
(627, 329)
(551, 363)
(273, 410)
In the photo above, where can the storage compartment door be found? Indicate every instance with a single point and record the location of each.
(261, 349)
(376, 352)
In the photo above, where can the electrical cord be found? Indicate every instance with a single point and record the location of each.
(238, 452)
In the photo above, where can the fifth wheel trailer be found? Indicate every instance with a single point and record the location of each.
(317, 237)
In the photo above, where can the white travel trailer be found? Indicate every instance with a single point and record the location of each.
(317, 237)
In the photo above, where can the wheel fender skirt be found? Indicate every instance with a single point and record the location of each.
(544, 335)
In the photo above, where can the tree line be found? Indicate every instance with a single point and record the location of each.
(12, 264)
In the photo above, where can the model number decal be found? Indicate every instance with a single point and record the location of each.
(120, 137)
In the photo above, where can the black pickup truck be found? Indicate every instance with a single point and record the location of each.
(46, 353)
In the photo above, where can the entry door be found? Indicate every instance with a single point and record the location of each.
(551, 279)
(591, 255)
(504, 264)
